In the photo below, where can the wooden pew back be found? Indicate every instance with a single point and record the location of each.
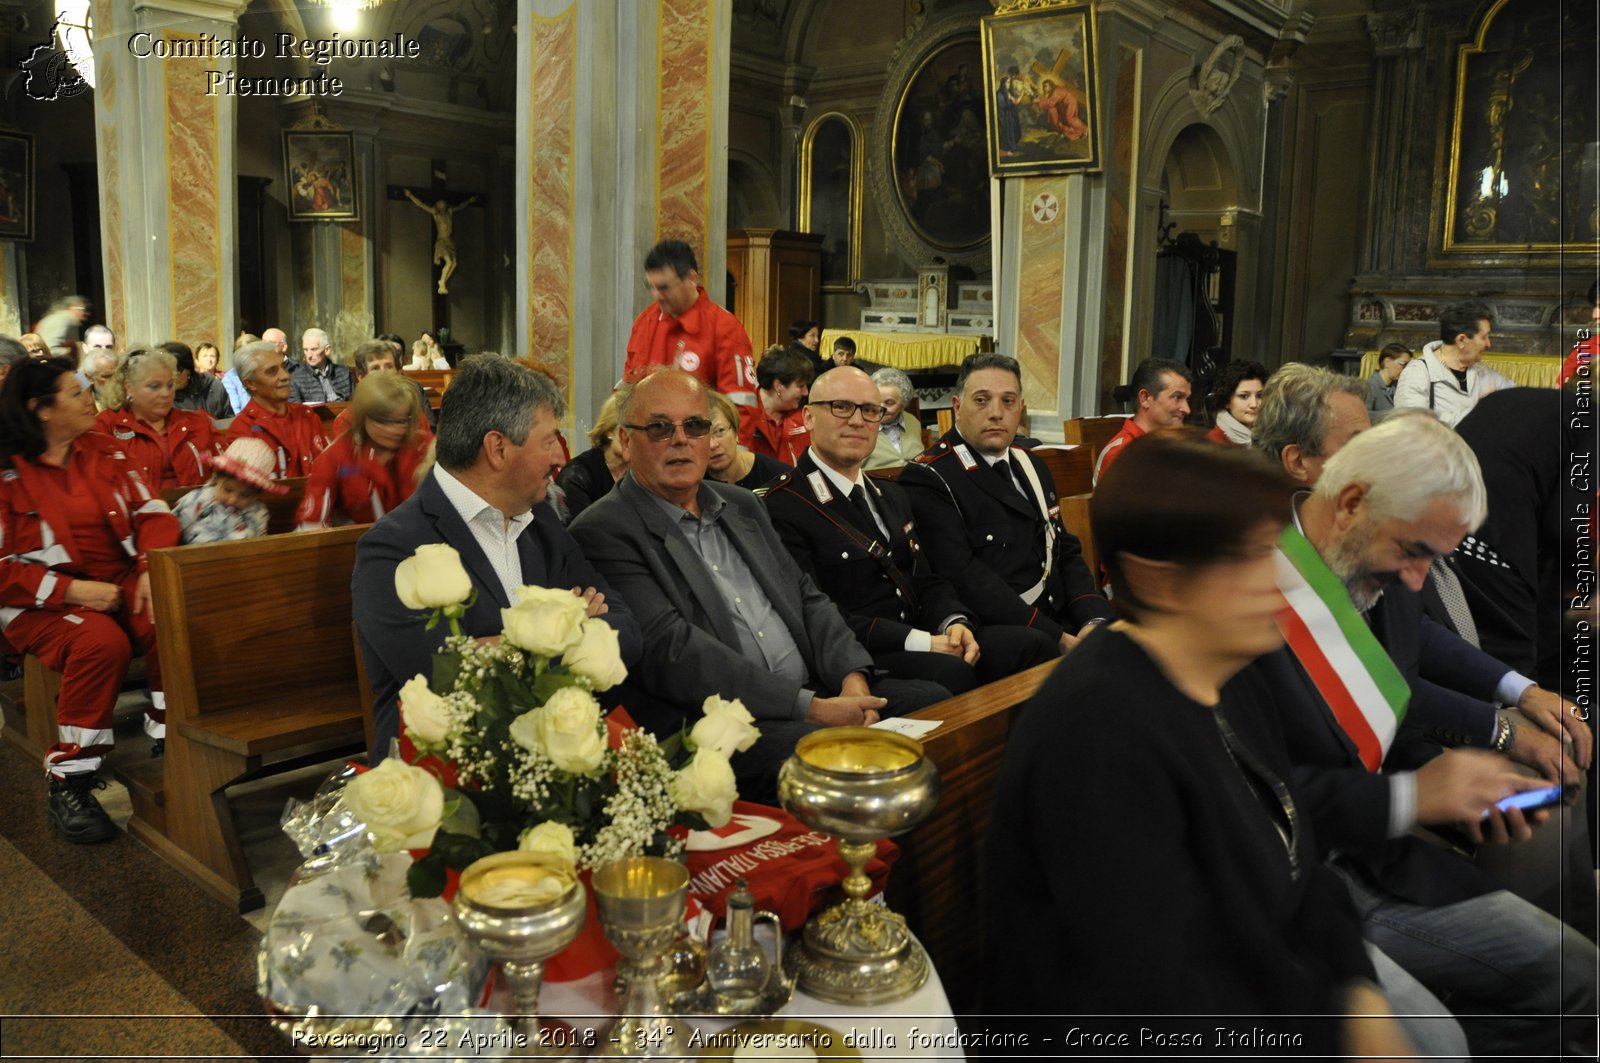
(280, 508)
(1071, 469)
(260, 620)
(935, 881)
(1094, 432)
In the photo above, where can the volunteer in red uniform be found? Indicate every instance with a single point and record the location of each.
(777, 425)
(686, 330)
(1161, 400)
(372, 468)
(169, 447)
(294, 432)
(77, 522)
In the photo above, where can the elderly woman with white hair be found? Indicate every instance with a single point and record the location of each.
(292, 431)
(168, 446)
(900, 435)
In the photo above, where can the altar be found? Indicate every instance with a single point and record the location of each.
(909, 351)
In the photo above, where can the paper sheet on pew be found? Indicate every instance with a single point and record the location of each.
(913, 729)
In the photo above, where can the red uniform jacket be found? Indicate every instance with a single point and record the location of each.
(181, 458)
(1113, 449)
(36, 544)
(706, 342)
(784, 439)
(351, 482)
(296, 435)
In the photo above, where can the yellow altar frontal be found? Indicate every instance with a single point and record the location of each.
(1524, 370)
(907, 350)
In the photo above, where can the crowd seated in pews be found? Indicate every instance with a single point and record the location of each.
(1229, 802)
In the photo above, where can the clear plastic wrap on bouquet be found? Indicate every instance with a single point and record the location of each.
(349, 953)
(324, 830)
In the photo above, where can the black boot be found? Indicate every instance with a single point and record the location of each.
(75, 813)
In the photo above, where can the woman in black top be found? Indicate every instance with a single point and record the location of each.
(1145, 856)
(731, 463)
(594, 472)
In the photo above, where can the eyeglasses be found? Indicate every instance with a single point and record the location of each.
(661, 431)
(844, 409)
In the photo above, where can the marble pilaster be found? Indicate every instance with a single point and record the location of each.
(621, 141)
(13, 305)
(169, 244)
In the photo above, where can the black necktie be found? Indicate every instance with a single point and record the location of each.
(1009, 475)
(858, 499)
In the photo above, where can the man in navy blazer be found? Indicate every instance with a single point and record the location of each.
(722, 605)
(498, 444)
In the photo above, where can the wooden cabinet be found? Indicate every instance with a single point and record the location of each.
(776, 280)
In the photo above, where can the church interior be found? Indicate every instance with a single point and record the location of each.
(1271, 181)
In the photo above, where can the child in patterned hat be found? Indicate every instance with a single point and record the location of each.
(230, 506)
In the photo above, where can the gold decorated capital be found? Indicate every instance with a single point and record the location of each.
(1012, 7)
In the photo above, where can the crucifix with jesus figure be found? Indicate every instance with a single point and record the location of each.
(441, 205)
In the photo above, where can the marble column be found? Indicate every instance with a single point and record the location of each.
(621, 142)
(13, 300)
(165, 151)
(1396, 122)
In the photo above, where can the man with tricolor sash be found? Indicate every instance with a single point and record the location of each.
(1368, 772)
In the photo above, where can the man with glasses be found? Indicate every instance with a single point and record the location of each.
(721, 606)
(319, 378)
(989, 517)
(856, 537)
(498, 445)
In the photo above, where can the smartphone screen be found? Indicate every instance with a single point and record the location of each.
(1528, 800)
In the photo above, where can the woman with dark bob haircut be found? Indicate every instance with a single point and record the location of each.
(78, 523)
(1235, 402)
(1146, 856)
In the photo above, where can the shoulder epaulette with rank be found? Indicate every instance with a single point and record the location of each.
(777, 483)
(934, 453)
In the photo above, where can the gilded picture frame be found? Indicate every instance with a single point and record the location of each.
(1042, 91)
(319, 168)
(832, 158)
(1518, 151)
(17, 186)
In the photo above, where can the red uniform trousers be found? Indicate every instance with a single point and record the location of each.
(92, 652)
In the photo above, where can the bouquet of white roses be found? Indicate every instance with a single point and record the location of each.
(513, 727)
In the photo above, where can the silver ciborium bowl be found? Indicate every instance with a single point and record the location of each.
(640, 901)
(862, 784)
(521, 909)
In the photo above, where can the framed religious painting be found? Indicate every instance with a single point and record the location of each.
(16, 186)
(927, 163)
(1523, 161)
(1041, 90)
(320, 171)
(830, 195)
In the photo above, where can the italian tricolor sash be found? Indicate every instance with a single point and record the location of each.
(1351, 671)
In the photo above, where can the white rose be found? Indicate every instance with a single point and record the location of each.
(726, 727)
(598, 655)
(545, 621)
(568, 727)
(705, 785)
(400, 804)
(432, 578)
(551, 839)
(426, 716)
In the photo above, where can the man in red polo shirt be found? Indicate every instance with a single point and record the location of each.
(1161, 393)
(686, 330)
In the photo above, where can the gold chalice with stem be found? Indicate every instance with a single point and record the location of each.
(641, 901)
(520, 909)
(862, 784)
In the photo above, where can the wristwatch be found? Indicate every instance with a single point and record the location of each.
(1505, 735)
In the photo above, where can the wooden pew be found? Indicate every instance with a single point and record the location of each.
(1072, 469)
(261, 678)
(1095, 432)
(280, 508)
(935, 882)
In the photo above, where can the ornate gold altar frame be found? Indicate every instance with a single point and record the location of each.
(914, 57)
(857, 181)
(1459, 216)
(1030, 27)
